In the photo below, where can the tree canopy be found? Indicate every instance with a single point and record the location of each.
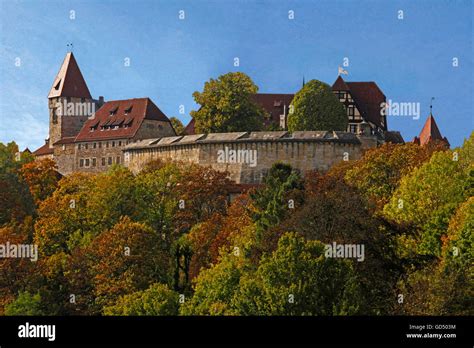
(315, 107)
(226, 105)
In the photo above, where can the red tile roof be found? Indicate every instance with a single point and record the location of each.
(275, 104)
(393, 137)
(69, 81)
(126, 114)
(367, 96)
(65, 140)
(430, 132)
(44, 150)
(340, 85)
(189, 129)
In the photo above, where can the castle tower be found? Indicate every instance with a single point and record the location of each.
(429, 133)
(69, 101)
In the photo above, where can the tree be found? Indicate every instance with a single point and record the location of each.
(16, 201)
(127, 258)
(158, 299)
(226, 105)
(296, 279)
(42, 178)
(378, 173)
(271, 203)
(430, 194)
(25, 304)
(315, 107)
(333, 211)
(177, 125)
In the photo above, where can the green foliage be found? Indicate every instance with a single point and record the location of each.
(296, 279)
(177, 125)
(158, 299)
(16, 201)
(226, 105)
(428, 196)
(25, 304)
(315, 107)
(378, 173)
(215, 288)
(271, 202)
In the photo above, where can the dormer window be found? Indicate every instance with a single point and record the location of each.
(56, 87)
(128, 110)
(113, 111)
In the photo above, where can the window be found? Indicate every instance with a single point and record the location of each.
(113, 143)
(100, 144)
(94, 145)
(107, 144)
(350, 110)
(87, 162)
(128, 110)
(55, 117)
(86, 146)
(109, 161)
(81, 163)
(353, 128)
(83, 100)
(68, 99)
(94, 162)
(113, 111)
(103, 161)
(78, 146)
(64, 147)
(120, 143)
(117, 160)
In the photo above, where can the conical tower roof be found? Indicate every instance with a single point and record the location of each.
(69, 81)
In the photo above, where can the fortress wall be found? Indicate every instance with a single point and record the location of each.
(302, 154)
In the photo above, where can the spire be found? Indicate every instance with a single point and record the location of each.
(303, 81)
(69, 81)
(430, 132)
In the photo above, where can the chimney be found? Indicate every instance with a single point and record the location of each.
(101, 101)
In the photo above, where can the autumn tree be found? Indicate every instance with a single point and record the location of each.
(16, 201)
(127, 258)
(226, 105)
(42, 178)
(429, 195)
(158, 299)
(296, 279)
(177, 125)
(315, 107)
(378, 173)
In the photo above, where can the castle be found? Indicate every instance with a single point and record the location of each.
(90, 135)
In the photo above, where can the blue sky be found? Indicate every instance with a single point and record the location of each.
(410, 59)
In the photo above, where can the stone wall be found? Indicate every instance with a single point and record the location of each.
(248, 156)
